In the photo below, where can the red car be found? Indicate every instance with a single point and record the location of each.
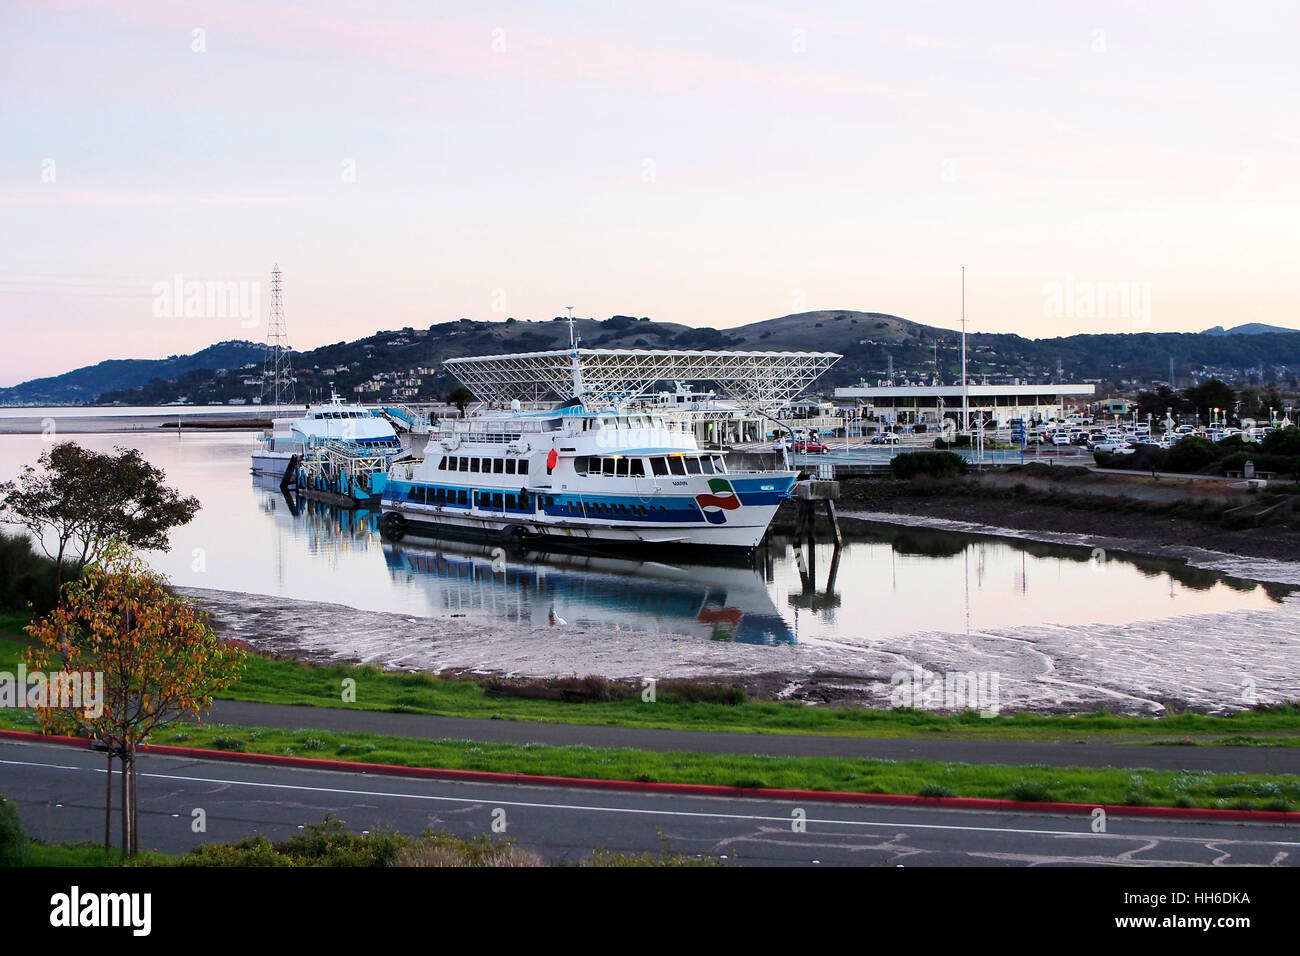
(804, 447)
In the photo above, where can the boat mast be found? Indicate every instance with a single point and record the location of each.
(578, 387)
(965, 389)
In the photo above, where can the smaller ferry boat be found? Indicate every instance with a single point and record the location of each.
(353, 427)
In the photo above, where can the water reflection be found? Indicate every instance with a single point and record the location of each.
(546, 589)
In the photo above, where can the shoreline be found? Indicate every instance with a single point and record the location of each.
(1256, 569)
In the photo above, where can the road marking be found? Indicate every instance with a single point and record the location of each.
(638, 810)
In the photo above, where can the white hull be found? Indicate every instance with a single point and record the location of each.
(430, 520)
(271, 463)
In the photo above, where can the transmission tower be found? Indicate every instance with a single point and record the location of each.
(277, 364)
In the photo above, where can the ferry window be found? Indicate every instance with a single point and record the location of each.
(621, 468)
(414, 494)
(496, 500)
(607, 467)
(676, 466)
(622, 509)
(510, 466)
(692, 465)
(659, 466)
(473, 464)
(719, 464)
(706, 463)
(462, 497)
(523, 467)
(510, 502)
(498, 466)
(442, 463)
(638, 467)
(580, 464)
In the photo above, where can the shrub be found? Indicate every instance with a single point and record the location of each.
(936, 790)
(1030, 791)
(1284, 441)
(1190, 454)
(27, 577)
(959, 441)
(13, 838)
(1275, 463)
(229, 743)
(936, 464)
(251, 851)
(1147, 458)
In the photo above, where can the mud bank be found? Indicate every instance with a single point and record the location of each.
(1211, 663)
(1268, 553)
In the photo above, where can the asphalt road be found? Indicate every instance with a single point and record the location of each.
(60, 792)
(1138, 757)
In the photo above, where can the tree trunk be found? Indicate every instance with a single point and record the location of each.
(135, 806)
(108, 802)
(126, 804)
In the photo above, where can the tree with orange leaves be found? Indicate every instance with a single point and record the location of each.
(154, 655)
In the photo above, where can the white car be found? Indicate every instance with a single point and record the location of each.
(1061, 438)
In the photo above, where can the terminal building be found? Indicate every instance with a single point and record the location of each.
(994, 405)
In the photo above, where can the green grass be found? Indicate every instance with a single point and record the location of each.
(292, 682)
(927, 778)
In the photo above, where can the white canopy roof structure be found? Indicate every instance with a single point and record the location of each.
(756, 379)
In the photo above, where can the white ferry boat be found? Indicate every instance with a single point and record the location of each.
(582, 476)
(355, 425)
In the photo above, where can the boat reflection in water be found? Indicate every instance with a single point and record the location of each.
(537, 589)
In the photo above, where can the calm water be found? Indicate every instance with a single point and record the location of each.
(248, 538)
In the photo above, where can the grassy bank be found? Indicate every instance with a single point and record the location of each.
(293, 682)
(919, 777)
(331, 844)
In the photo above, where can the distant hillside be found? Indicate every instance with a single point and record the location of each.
(1250, 328)
(85, 385)
(406, 364)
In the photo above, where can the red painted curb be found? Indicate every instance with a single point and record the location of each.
(684, 789)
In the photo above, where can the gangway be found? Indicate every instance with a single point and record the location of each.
(405, 419)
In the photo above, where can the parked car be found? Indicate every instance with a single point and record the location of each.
(1060, 438)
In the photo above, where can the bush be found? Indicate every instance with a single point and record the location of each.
(13, 838)
(1030, 791)
(936, 464)
(1147, 458)
(959, 441)
(936, 790)
(251, 851)
(1191, 454)
(27, 577)
(1280, 464)
(1284, 441)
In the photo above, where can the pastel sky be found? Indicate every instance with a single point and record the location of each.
(712, 163)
